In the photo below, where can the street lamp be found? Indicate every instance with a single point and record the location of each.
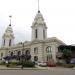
(25, 57)
(22, 57)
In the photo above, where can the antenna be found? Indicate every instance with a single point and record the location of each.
(38, 7)
(10, 20)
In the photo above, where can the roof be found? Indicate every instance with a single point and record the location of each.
(55, 39)
(38, 20)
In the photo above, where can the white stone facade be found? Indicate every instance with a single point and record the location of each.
(8, 37)
(40, 46)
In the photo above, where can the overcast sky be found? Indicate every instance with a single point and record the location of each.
(59, 16)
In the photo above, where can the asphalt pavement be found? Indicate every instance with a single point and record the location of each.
(37, 71)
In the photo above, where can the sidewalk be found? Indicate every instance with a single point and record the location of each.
(9, 68)
(36, 68)
(74, 68)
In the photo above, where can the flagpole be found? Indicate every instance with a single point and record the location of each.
(38, 5)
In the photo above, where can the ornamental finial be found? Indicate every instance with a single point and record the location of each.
(10, 20)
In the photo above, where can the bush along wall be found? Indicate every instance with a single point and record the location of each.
(28, 64)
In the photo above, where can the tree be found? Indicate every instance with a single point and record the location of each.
(67, 55)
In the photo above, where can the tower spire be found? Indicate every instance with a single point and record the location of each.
(38, 7)
(10, 20)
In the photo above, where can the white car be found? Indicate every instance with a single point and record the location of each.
(43, 64)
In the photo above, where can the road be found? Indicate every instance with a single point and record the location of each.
(51, 71)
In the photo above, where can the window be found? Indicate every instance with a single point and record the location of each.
(48, 49)
(10, 42)
(11, 54)
(48, 53)
(36, 50)
(43, 33)
(35, 58)
(1, 54)
(4, 42)
(49, 57)
(27, 52)
(19, 53)
(36, 33)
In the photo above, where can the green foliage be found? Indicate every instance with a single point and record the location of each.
(28, 64)
(69, 65)
(14, 63)
(67, 55)
(20, 63)
(2, 63)
(60, 63)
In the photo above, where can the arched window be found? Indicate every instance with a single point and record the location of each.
(49, 57)
(48, 53)
(27, 52)
(36, 32)
(10, 42)
(1, 54)
(11, 54)
(48, 49)
(4, 42)
(36, 50)
(19, 53)
(35, 58)
(43, 33)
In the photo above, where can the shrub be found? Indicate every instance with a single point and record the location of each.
(69, 65)
(7, 65)
(2, 63)
(60, 63)
(28, 64)
(15, 63)
(20, 63)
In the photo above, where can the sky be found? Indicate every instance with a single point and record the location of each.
(59, 16)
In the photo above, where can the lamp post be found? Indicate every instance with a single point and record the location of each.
(7, 60)
(24, 57)
(22, 54)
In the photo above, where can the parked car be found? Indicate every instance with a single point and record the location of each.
(51, 63)
(72, 61)
(42, 64)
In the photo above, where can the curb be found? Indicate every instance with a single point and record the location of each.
(23, 69)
